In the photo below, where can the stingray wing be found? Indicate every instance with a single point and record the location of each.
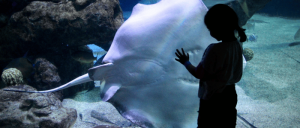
(153, 89)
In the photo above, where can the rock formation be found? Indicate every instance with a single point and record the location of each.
(46, 76)
(51, 29)
(32, 110)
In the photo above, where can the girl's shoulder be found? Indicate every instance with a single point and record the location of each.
(215, 46)
(221, 46)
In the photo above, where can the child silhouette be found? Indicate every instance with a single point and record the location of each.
(220, 68)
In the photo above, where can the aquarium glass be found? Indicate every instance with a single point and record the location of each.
(268, 92)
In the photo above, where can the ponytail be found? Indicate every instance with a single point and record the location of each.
(242, 34)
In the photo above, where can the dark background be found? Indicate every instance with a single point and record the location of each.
(127, 5)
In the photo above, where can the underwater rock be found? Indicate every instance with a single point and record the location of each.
(31, 110)
(103, 117)
(46, 76)
(49, 29)
(245, 9)
(81, 4)
(53, 24)
(100, 116)
(9, 7)
(248, 54)
(12, 76)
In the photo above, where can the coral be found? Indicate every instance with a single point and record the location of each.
(248, 54)
(12, 76)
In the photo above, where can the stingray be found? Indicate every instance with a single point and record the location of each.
(139, 74)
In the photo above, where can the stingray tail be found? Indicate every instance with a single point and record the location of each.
(97, 72)
(79, 80)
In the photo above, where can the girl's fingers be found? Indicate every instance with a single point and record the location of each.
(178, 52)
(177, 55)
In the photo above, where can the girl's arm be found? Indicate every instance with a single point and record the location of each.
(195, 71)
(184, 59)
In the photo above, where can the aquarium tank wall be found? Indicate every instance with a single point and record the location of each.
(111, 63)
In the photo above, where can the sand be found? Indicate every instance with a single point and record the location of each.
(85, 102)
(268, 94)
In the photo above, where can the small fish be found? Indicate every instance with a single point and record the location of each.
(36, 63)
(80, 116)
(83, 57)
(253, 38)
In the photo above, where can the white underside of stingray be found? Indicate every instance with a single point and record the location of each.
(142, 79)
(154, 90)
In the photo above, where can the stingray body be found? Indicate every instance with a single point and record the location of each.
(140, 75)
(145, 83)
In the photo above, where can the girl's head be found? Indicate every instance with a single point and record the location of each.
(222, 21)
